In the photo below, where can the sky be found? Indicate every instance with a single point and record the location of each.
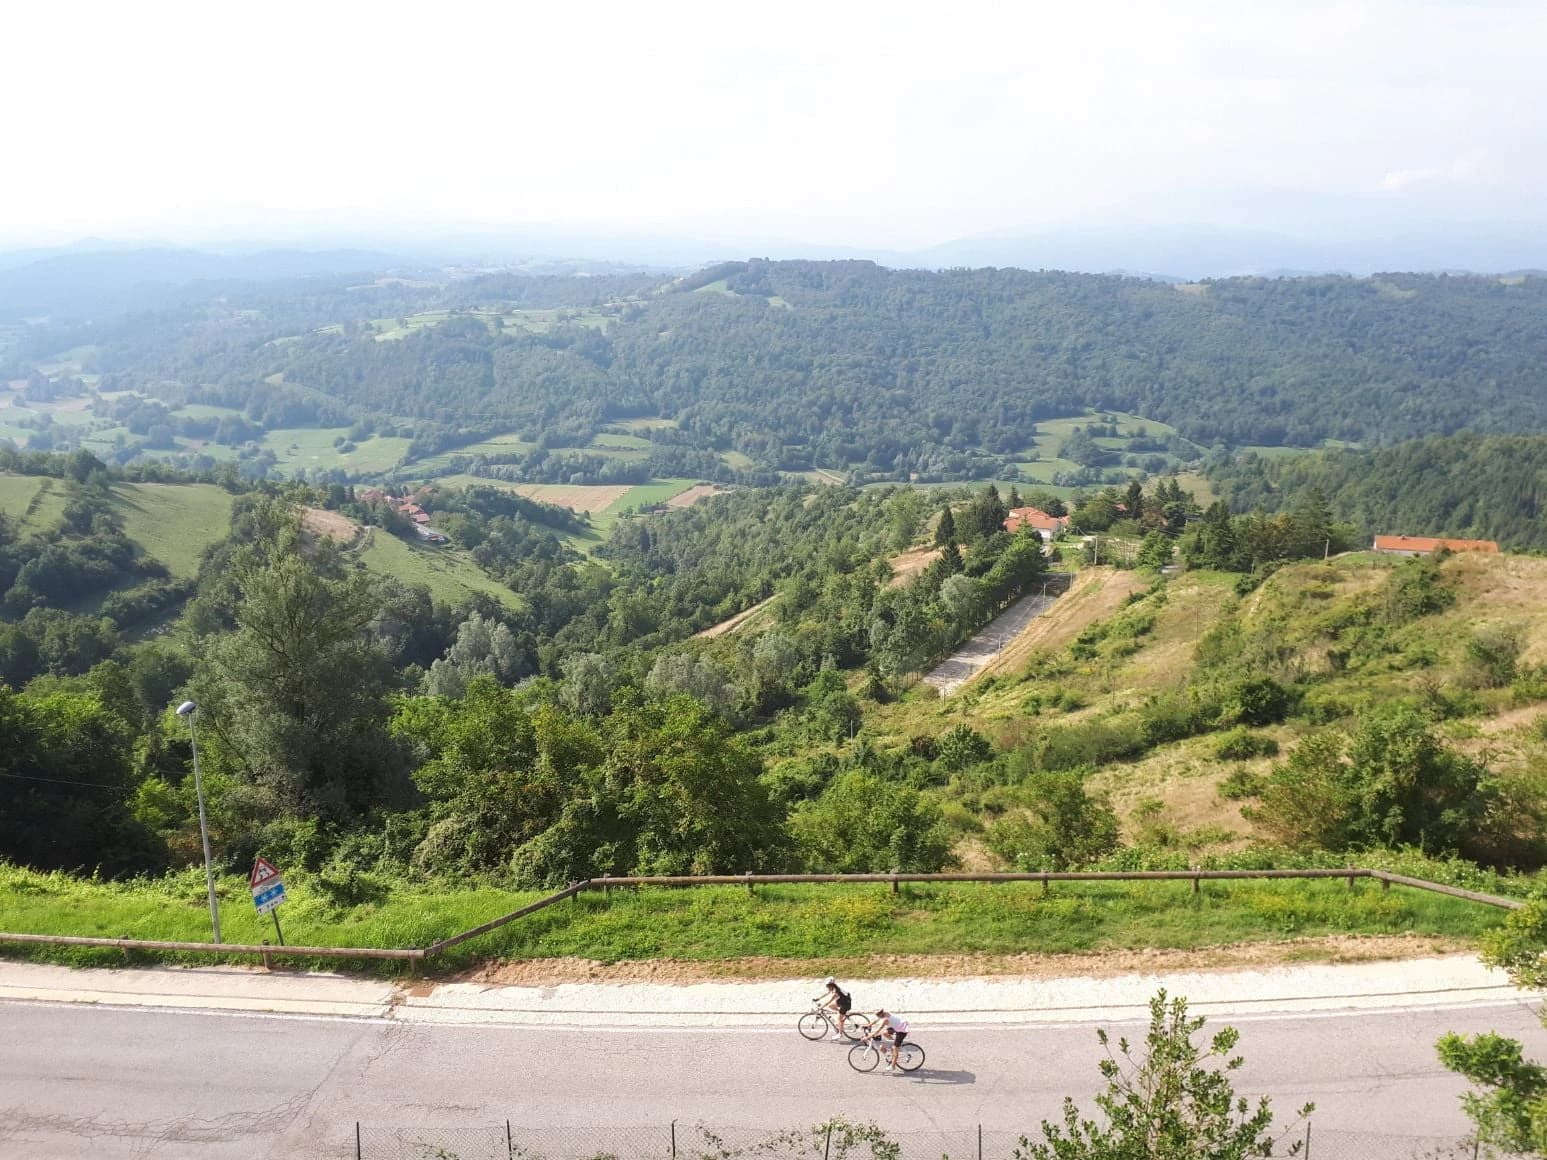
(844, 123)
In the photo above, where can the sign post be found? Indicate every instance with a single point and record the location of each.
(268, 891)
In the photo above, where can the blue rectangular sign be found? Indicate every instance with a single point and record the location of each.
(268, 898)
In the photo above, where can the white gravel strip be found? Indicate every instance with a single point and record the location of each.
(1444, 981)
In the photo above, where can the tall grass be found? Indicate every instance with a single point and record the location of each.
(721, 924)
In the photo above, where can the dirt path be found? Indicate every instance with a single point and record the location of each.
(1096, 964)
(734, 622)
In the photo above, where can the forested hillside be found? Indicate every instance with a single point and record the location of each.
(1485, 487)
(890, 374)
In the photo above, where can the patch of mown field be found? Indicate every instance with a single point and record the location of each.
(34, 502)
(303, 447)
(449, 573)
(174, 522)
(724, 924)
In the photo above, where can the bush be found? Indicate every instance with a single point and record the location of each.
(1061, 828)
(1257, 701)
(864, 824)
(1089, 743)
(1241, 783)
(1174, 716)
(1241, 744)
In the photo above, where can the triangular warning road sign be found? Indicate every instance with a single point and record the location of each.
(262, 871)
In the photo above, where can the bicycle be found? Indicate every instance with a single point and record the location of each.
(817, 1023)
(865, 1056)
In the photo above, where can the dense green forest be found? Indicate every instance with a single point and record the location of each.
(1480, 486)
(885, 374)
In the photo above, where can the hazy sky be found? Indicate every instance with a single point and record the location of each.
(881, 124)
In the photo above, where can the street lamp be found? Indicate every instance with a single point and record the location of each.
(187, 709)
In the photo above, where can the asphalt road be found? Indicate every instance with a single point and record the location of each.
(129, 1082)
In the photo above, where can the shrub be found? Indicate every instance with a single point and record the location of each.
(864, 824)
(1241, 783)
(1062, 826)
(1174, 716)
(1241, 744)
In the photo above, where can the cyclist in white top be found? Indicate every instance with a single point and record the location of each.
(894, 1028)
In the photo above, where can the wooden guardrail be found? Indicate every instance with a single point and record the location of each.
(413, 956)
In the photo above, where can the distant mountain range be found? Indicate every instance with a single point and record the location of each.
(96, 276)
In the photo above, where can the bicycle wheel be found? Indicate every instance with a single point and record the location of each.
(864, 1057)
(910, 1057)
(854, 1026)
(812, 1025)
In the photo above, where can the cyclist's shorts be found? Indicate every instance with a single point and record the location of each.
(844, 1005)
(898, 1037)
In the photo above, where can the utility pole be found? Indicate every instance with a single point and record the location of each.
(187, 709)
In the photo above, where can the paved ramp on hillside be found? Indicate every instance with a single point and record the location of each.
(973, 656)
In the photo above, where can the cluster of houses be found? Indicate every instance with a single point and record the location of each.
(409, 508)
(1050, 527)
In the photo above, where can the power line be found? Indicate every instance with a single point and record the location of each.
(64, 781)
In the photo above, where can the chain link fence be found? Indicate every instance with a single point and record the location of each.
(838, 1140)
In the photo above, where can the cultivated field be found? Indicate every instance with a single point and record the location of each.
(694, 494)
(595, 498)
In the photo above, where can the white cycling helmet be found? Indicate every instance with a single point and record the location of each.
(828, 981)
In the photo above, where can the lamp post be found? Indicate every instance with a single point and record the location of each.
(187, 709)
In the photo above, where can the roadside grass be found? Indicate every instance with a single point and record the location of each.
(174, 522)
(718, 924)
(449, 573)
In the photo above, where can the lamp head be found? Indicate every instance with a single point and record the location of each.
(186, 708)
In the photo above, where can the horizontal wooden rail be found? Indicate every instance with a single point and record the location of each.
(1027, 876)
(415, 955)
(409, 954)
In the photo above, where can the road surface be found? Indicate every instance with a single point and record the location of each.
(136, 1082)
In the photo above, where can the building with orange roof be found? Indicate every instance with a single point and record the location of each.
(1038, 520)
(1423, 545)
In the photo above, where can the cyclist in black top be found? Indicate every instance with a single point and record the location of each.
(839, 1002)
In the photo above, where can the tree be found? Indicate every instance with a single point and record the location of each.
(296, 696)
(865, 824)
(945, 529)
(496, 767)
(688, 674)
(1175, 1102)
(1510, 1111)
(69, 767)
(675, 793)
(1391, 782)
(482, 646)
(587, 686)
(1062, 827)
(962, 601)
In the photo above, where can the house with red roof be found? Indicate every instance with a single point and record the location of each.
(1038, 520)
(1423, 545)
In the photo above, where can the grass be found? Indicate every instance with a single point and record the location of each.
(174, 522)
(302, 447)
(447, 572)
(17, 494)
(726, 924)
(504, 445)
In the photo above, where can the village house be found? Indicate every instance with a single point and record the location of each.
(1423, 545)
(1038, 520)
